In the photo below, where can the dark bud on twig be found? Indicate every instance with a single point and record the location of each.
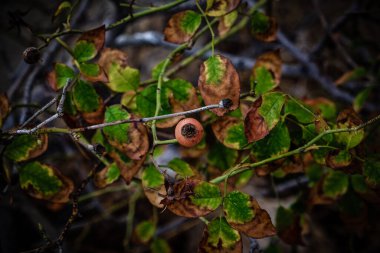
(226, 103)
(31, 55)
(99, 149)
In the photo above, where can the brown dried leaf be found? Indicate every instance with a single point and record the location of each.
(109, 56)
(177, 31)
(138, 144)
(254, 124)
(95, 36)
(155, 197)
(226, 130)
(219, 80)
(260, 226)
(272, 62)
(216, 8)
(127, 169)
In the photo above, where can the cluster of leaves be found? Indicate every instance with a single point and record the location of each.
(264, 125)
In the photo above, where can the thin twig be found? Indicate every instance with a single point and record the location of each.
(35, 115)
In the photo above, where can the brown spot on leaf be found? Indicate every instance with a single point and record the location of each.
(255, 127)
(270, 34)
(109, 56)
(95, 117)
(127, 169)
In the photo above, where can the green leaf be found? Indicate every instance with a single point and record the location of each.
(259, 22)
(243, 178)
(314, 173)
(116, 133)
(335, 184)
(89, 69)
(214, 70)
(222, 157)
(122, 79)
(69, 107)
(24, 147)
(350, 139)
(40, 177)
(63, 74)
(372, 171)
(271, 107)
(235, 137)
(284, 218)
(238, 207)
(146, 101)
(145, 231)
(263, 80)
(113, 173)
(275, 143)
(181, 167)
(190, 22)
(299, 110)
(85, 97)
(160, 246)
(152, 178)
(206, 195)
(361, 98)
(358, 183)
(220, 232)
(84, 51)
(181, 89)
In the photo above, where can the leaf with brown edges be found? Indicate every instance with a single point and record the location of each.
(95, 36)
(128, 168)
(272, 62)
(219, 80)
(188, 199)
(216, 8)
(230, 131)
(182, 26)
(259, 226)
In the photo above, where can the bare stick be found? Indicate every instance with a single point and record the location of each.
(44, 108)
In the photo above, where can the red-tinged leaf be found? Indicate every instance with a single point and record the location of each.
(348, 119)
(185, 202)
(230, 131)
(59, 76)
(95, 36)
(219, 237)
(216, 8)
(338, 159)
(254, 124)
(322, 106)
(259, 226)
(272, 62)
(219, 80)
(182, 26)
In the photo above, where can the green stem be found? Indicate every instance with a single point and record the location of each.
(146, 12)
(243, 167)
(131, 214)
(103, 191)
(208, 25)
(171, 141)
(65, 46)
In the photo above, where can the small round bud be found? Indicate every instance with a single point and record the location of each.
(31, 55)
